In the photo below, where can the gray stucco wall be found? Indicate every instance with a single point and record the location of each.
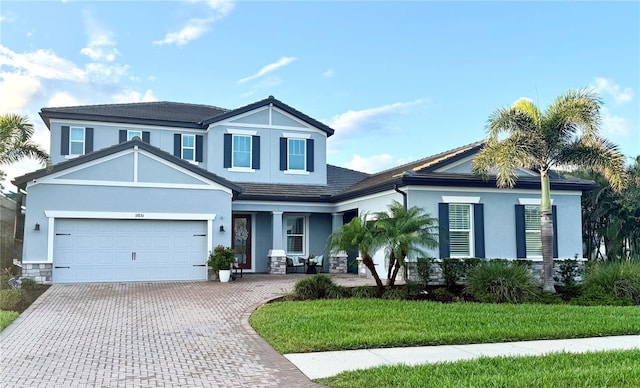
(118, 169)
(43, 197)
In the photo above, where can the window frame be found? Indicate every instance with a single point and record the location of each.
(304, 155)
(235, 136)
(304, 235)
(470, 231)
(529, 231)
(192, 148)
(130, 131)
(72, 141)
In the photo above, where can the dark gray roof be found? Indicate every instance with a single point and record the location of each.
(22, 180)
(277, 103)
(338, 179)
(153, 113)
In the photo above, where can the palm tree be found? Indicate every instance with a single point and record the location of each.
(405, 232)
(566, 134)
(16, 142)
(362, 235)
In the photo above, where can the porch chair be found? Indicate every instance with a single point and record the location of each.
(319, 262)
(294, 263)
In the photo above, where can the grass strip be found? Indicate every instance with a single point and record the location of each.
(598, 369)
(6, 317)
(322, 325)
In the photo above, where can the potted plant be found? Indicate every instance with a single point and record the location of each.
(221, 260)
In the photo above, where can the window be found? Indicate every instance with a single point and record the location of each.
(296, 156)
(533, 236)
(189, 147)
(460, 230)
(241, 151)
(295, 235)
(132, 134)
(76, 141)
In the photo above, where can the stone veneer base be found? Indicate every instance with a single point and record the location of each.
(40, 273)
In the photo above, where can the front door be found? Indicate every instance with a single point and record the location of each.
(241, 238)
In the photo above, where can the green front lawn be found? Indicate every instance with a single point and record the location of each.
(6, 317)
(337, 324)
(604, 369)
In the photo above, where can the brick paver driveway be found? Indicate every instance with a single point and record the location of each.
(148, 334)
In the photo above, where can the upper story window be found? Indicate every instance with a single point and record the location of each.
(460, 230)
(241, 151)
(130, 134)
(189, 147)
(533, 236)
(296, 153)
(76, 141)
(133, 134)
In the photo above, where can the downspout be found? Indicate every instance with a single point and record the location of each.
(404, 195)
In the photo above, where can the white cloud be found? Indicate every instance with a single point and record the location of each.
(129, 95)
(8, 17)
(106, 72)
(284, 61)
(369, 119)
(62, 99)
(17, 91)
(101, 46)
(329, 73)
(42, 64)
(373, 163)
(608, 86)
(614, 127)
(196, 27)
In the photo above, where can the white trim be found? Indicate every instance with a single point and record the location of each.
(71, 156)
(121, 125)
(531, 201)
(210, 234)
(243, 132)
(183, 147)
(491, 190)
(296, 172)
(305, 235)
(135, 164)
(291, 135)
(129, 215)
(84, 140)
(133, 130)
(50, 234)
(270, 113)
(240, 169)
(472, 233)
(78, 182)
(302, 170)
(460, 199)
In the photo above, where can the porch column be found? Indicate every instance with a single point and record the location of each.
(336, 221)
(277, 255)
(337, 260)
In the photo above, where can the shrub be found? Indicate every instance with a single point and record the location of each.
(29, 284)
(452, 271)
(395, 294)
(424, 269)
(337, 292)
(443, 295)
(221, 258)
(11, 299)
(501, 282)
(620, 280)
(413, 289)
(314, 287)
(363, 292)
(568, 270)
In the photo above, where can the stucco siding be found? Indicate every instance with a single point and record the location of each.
(263, 239)
(119, 169)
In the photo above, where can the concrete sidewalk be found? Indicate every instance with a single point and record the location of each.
(325, 364)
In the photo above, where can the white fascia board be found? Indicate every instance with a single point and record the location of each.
(460, 199)
(491, 190)
(244, 132)
(531, 201)
(296, 135)
(85, 123)
(52, 214)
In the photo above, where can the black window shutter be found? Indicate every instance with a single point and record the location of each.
(88, 140)
(283, 153)
(199, 141)
(64, 141)
(443, 235)
(310, 156)
(478, 230)
(228, 138)
(122, 136)
(146, 137)
(255, 151)
(177, 145)
(555, 231)
(521, 242)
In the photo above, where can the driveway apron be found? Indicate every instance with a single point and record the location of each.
(148, 334)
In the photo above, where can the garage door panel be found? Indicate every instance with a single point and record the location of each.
(102, 250)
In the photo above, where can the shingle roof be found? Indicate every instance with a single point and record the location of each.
(160, 112)
(338, 179)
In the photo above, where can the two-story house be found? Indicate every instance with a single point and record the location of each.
(143, 191)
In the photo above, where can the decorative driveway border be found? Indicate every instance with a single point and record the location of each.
(149, 335)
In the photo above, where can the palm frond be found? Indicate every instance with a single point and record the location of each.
(599, 154)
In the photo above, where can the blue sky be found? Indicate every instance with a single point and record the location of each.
(398, 81)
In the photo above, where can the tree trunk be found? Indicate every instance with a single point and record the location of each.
(392, 279)
(546, 225)
(368, 262)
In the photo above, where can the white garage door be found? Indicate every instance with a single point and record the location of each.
(129, 250)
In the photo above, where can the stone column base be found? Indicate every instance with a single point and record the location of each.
(338, 263)
(277, 262)
(40, 272)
